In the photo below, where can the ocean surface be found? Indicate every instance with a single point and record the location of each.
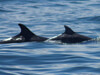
(47, 18)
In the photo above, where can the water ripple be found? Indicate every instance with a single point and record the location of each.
(47, 18)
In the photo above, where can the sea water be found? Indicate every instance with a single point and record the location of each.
(47, 18)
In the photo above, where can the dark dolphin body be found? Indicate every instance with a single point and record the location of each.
(69, 36)
(24, 36)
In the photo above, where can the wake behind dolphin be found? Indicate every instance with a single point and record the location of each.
(24, 36)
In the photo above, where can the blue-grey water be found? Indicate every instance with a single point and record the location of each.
(47, 18)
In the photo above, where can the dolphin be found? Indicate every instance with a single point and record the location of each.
(24, 36)
(69, 36)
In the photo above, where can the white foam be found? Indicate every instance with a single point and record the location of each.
(8, 39)
(54, 37)
(53, 41)
(19, 39)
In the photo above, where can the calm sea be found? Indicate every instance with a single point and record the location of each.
(47, 18)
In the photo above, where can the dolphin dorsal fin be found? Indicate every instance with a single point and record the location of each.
(68, 30)
(25, 32)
